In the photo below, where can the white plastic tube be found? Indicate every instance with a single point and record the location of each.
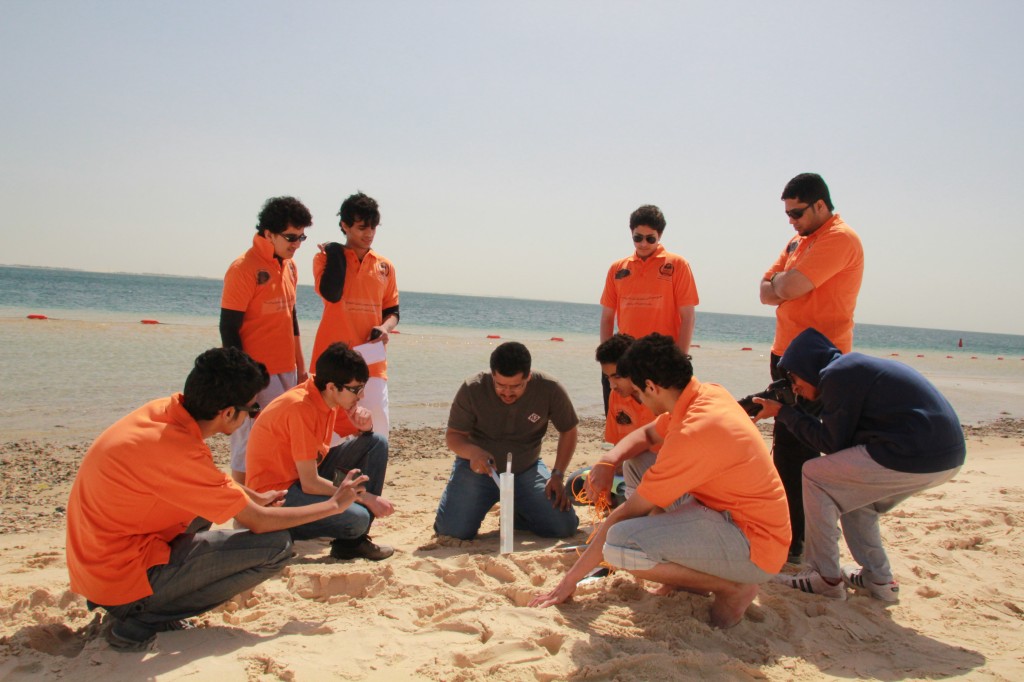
(507, 499)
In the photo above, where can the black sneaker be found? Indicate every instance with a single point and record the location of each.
(365, 549)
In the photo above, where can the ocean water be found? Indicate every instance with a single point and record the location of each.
(92, 361)
(75, 293)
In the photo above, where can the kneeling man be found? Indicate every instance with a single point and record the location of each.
(289, 449)
(710, 514)
(887, 434)
(505, 413)
(138, 543)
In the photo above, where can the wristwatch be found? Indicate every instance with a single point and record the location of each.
(556, 472)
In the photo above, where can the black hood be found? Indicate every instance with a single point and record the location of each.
(808, 354)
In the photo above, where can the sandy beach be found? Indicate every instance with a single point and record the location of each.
(457, 611)
(443, 612)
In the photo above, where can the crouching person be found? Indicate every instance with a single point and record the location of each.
(289, 449)
(710, 514)
(887, 434)
(138, 538)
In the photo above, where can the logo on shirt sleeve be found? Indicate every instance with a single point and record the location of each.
(262, 277)
(385, 269)
(623, 274)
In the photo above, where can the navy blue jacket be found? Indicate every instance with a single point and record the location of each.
(890, 408)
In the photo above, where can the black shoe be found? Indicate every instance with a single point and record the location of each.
(364, 549)
(122, 637)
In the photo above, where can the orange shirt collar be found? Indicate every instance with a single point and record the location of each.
(826, 226)
(685, 399)
(177, 413)
(314, 397)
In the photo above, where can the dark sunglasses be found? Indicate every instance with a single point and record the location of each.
(798, 213)
(251, 410)
(355, 390)
(292, 238)
(651, 239)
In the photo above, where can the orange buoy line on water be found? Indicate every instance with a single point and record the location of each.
(557, 338)
(150, 321)
(493, 336)
(36, 316)
(746, 348)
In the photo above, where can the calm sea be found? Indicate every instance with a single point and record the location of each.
(28, 290)
(91, 361)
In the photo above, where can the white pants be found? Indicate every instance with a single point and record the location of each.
(375, 399)
(279, 383)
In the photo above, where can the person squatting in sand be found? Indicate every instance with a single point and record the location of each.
(506, 412)
(887, 434)
(289, 449)
(257, 307)
(710, 513)
(626, 414)
(140, 509)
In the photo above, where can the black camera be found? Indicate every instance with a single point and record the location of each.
(780, 390)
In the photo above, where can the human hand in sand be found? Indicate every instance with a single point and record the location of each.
(349, 490)
(378, 506)
(769, 409)
(558, 595)
(360, 417)
(270, 498)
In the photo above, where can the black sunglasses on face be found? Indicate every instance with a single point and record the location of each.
(798, 213)
(292, 238)
(651, 239)
(251, 410)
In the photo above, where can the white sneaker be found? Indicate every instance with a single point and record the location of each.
(812, 582)
(853, 576)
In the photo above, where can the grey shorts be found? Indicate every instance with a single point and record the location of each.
(690, 535)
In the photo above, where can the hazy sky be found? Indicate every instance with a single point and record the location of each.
(507, 143)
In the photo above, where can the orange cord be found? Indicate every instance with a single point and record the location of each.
(600, 510)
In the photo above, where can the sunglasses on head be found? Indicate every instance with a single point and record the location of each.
(651, 239)
(251, 410)
(292, 238)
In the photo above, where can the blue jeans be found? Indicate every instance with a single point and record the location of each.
(369, 454)
(204, 570)
(469, 496)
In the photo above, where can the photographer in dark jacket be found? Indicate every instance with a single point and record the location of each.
(888, 434)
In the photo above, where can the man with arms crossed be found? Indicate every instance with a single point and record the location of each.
(360, 295)
(257, 307)
(650, 290)
(887, 434)
(814, 283)
(289, 449)
(138, 543)
(506, 412)
(724, 528)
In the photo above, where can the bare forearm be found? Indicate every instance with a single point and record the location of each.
(768, 295)
(566, 448)
(686, 320)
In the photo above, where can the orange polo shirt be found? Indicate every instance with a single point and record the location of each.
(294, 427)
(263, 287)
(625, 415)
(370, 288)
(833, 259)
(713, 451)
(646, 295)
(140, 485)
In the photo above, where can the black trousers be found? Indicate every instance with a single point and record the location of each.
(789, 455)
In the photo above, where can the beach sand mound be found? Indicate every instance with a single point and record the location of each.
(456, 610)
